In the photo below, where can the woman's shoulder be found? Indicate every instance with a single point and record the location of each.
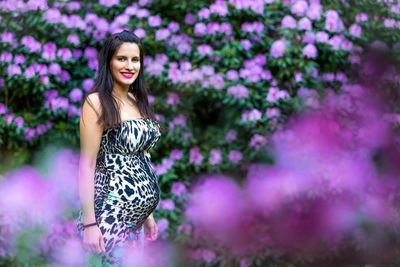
(92, 100)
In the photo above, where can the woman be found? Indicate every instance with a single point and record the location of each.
(118, 187)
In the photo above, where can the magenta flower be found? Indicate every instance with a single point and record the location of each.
(176, 154)
(90, 52)
(55, 69)
(251, 115)
(52, 15)
(167, 204)
(310, 51)
(277, 49)
(7, 37)
(140, 33)
(272, 95)
(204, 49)
(257, 141)
(272, 112)
(173, 26)
(322, 37)
(3, 108)
(333, 22)
(31, 43)
(190, 18)
(19, 59)
(6, 56)
(173, 98)
(232, 75)
(219, 7)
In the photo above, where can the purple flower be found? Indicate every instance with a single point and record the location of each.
(361, 17)
(6, 56)
(90, 52)
(246, 44)
(19, 59)
(76, 94)
(272, 95)
(288, 22)
(77, 53)
(176, 154)
(355, 30)
(74, 39)
(232, 75)
(162, 225)
(238, 91)
(336, 41)
(298, 76)
(304, 24)
(30, 133)
(93, 63)
(310, 51)
(322, 37)
(162, 34)
(195, 156)
(277, 48)
(204, 13)
(3, 108)
(314, 11)
(7, 37)
(108, 3)
(251, 115)
(178, 188)
(200, 29)
(257, 141)
(49, 51)
(55, 69)
(13, 69)
(190, 18)
(29, 72)
(230, 136)
(52, 15)
(219, 7)
(215, 156)
(204, 49)
(235, 156)
(173, 99)
(272, 112)
(333, 22)
(19, 121)
(87, 84)
(31, 43)
(154, 21)
(299, 7)
(40, 68)
(167, 204)
(65, 76)
(140, 33)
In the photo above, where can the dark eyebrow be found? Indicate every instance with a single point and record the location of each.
(126, 57)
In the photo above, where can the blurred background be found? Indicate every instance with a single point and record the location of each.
(281, 129)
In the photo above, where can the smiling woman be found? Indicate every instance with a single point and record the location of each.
(117, 185)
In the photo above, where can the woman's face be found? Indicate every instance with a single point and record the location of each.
(125, 64)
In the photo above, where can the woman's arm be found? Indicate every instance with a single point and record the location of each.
(90, 138)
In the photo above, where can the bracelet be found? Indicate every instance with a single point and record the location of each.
(88, 225)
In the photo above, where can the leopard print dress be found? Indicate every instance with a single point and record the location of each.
(126, 186)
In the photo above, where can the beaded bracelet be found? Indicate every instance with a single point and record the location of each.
(88, 225)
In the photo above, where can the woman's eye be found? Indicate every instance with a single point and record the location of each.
(121, 59)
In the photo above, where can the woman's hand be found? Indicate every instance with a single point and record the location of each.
(150, 229)
(93, 240)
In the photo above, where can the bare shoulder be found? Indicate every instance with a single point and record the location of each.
(91, 109)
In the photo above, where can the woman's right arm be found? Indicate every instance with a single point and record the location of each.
(90, 138)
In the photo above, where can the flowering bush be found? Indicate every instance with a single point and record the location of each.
(223, 76)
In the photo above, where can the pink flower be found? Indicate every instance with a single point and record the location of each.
(200, 29)
(322, 37)
(74, 39)
(314, 11)
(162, 34)
(204, 13)
(54, 69)
(13, 69)
(272, 112)
(251, 115)
(238, 91)
(257, 141)
(272, 95)
(154, 21)
(173, 98)
(235, 156)
(108, 3)
(87, 84)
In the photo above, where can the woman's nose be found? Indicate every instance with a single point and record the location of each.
(129, 64)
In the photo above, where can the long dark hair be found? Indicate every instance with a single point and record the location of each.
(103, 84)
